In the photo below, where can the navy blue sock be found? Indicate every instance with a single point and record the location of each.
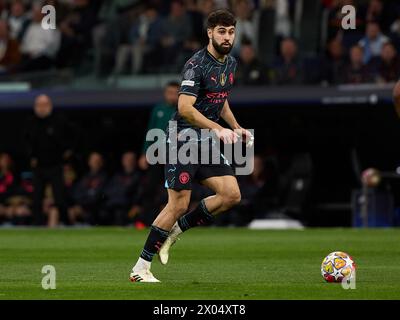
(199, 216)
(154, 241)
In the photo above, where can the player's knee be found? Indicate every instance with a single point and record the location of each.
(180, 207)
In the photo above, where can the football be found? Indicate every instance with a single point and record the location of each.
(336, 266)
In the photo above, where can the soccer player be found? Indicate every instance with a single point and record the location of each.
(208, 77)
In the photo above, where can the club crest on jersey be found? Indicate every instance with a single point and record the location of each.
(223, 79)
(189, 74)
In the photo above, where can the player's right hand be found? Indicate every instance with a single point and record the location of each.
(227, 136)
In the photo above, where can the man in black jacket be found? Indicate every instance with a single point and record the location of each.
(49, 138)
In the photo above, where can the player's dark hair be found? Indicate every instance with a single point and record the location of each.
(220, 17)
(173, 84)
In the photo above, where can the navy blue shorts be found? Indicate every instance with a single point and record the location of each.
(179, 176)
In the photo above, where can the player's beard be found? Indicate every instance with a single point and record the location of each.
(221, 49)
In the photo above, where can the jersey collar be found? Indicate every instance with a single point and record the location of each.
(215, 60)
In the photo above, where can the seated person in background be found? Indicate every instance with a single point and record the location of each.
(176, 30)
(7, 186)
(145, 36)
(20, 203)
(333, 63)
(387, 66)
(373, 41)
(39, 47)
(250, 69)
(49, 206)
(88, 193)
(288, 69)
(356, 71)
(18, 20)
(9, 50)
(122, 190)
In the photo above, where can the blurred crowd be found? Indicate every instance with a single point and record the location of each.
(273, 44)
(105, 196)
(56, 189)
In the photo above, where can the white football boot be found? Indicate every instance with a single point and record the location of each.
(143, 275)
(163, 254)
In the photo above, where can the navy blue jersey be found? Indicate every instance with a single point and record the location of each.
(210, 81)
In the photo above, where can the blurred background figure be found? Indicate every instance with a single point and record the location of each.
(176, 30)
(246, 28)
(18, 20)
(7, 186)
(122, 192)
(373, 42)
(250, 69)
(387, 66)
(356, 71)
(153, 192)
(39, 47)
(333, 63)
(88, 195)
(10, 55)
(50, 140)
(144, 39)
(288, 68)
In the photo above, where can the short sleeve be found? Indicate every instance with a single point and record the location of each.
(191, 78)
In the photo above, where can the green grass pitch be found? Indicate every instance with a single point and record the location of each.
(207, 263)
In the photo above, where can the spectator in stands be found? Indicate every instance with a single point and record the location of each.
(288, 69)
(76, 30)
(39, 47)
(49, 205)
(7, 185)
(333, 63)
(251, 187)
(70, 180)
(245, 26)
(63, 8)
(154, 175)
(50, 140)
(14, 206)
(3, 10)
(177, 29)
(383, 12)
(388, 64)
(20, 203)
(356, 71)
(198, 12)
(145, 36)
(122, 191)
(250, 70)
(18, 20)
(373, 42)
(88, 194)
(9, 50)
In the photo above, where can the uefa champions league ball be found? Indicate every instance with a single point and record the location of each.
(337, 266)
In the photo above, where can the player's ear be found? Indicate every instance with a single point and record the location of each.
(209, 32)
